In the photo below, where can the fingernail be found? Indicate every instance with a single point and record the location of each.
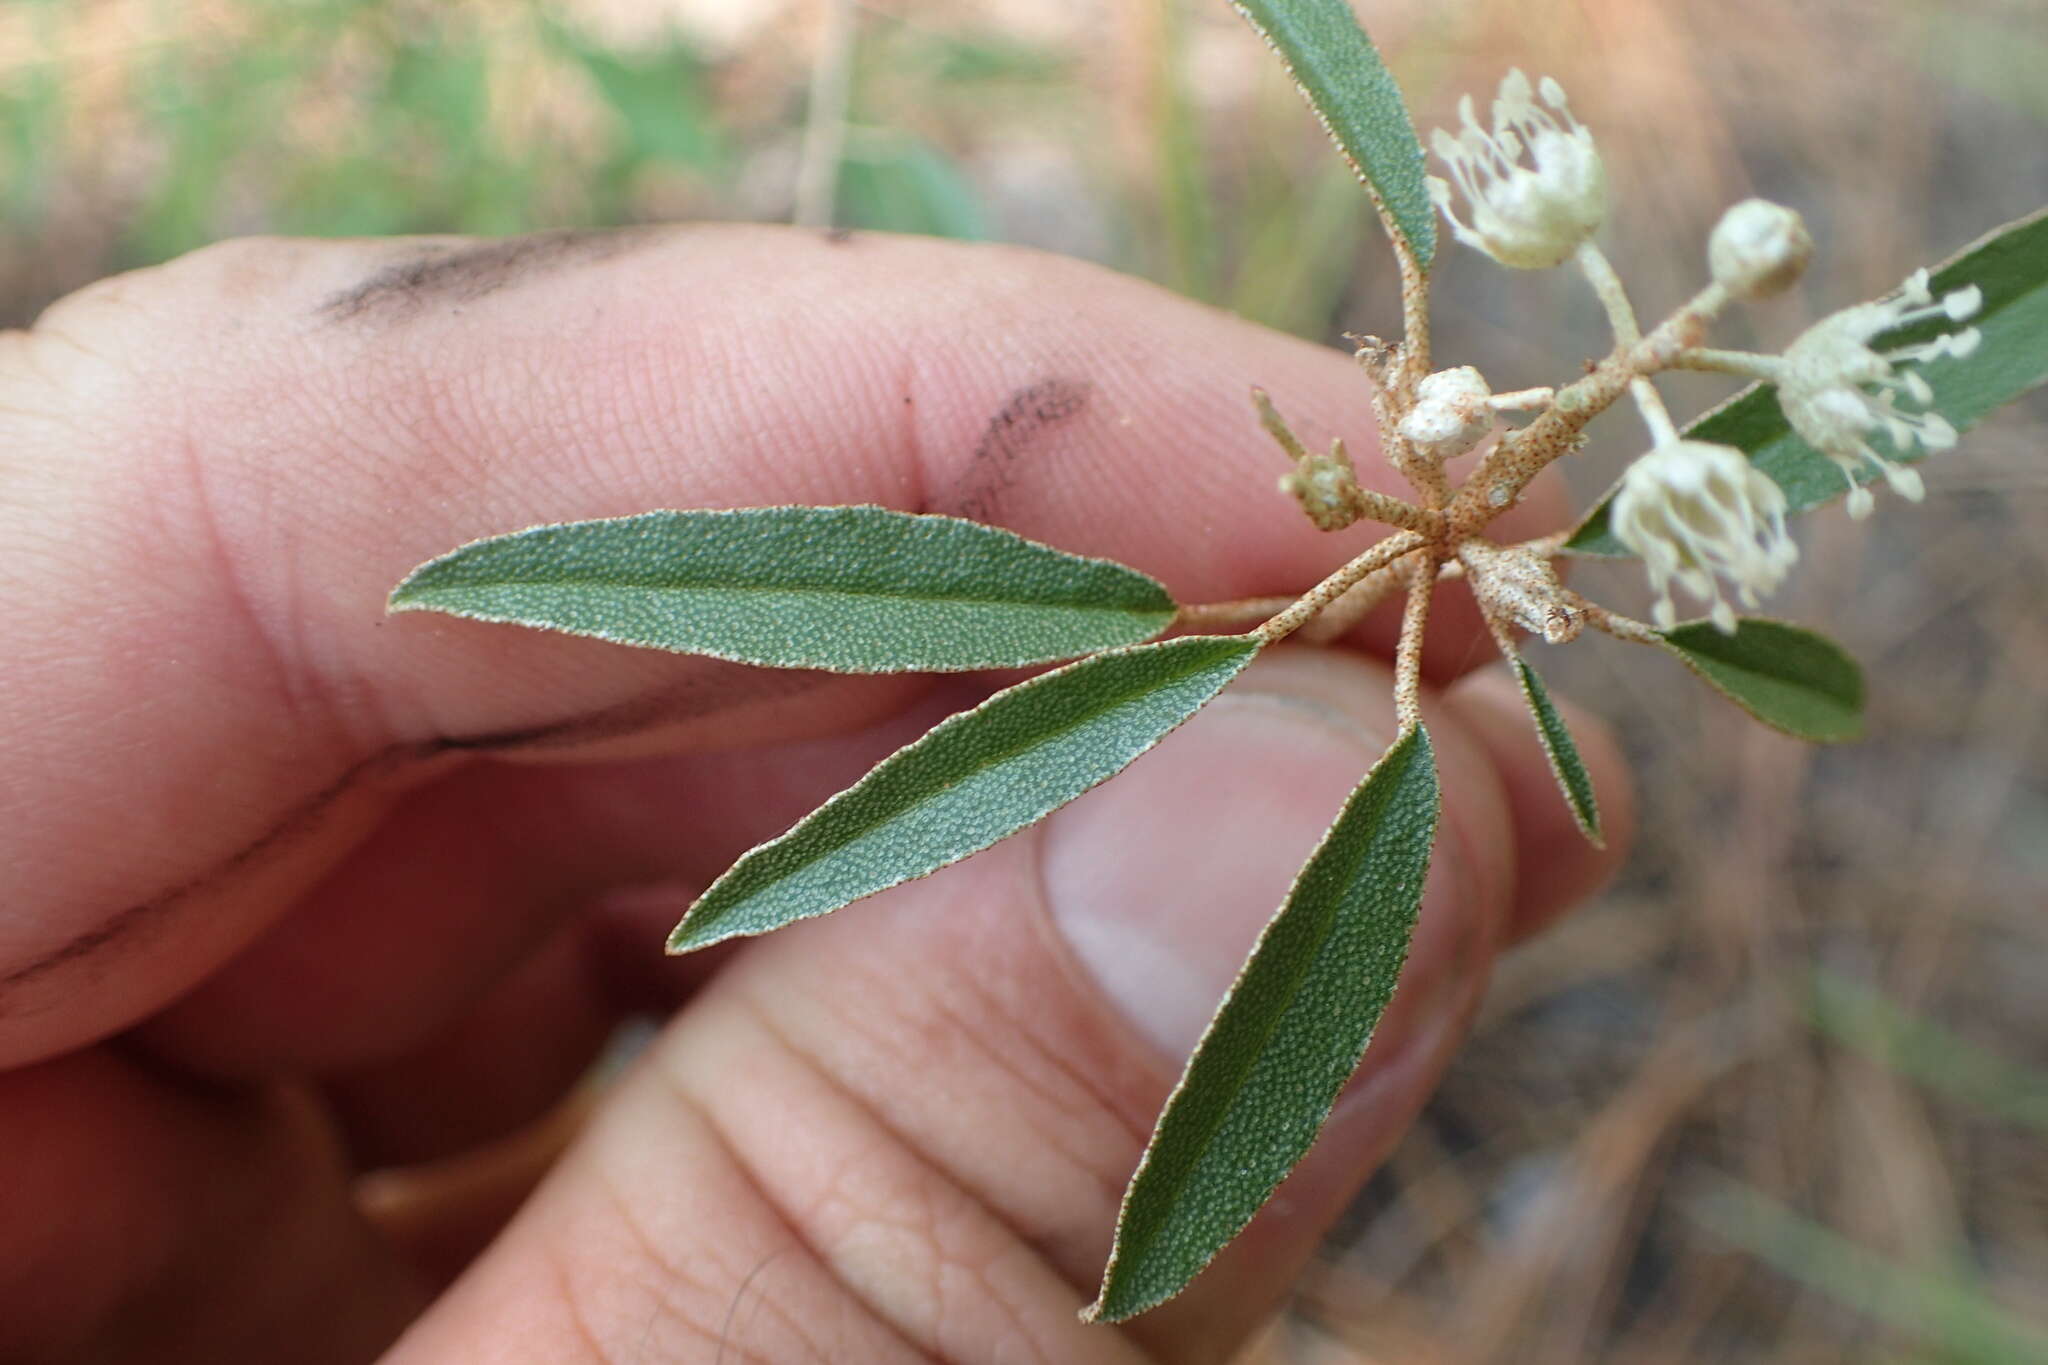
(1162, 879)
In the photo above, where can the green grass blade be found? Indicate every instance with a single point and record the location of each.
(852, 589)
(1287, 1037)
(1565, 763)
(1352, 92)
(2010, 265)
(1954, 1313)
(1859, 1017)
(1789, 678)
(975, 778)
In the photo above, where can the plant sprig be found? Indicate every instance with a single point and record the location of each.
(1861, 395)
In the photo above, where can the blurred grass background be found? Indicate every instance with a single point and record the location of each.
(1782, 1094)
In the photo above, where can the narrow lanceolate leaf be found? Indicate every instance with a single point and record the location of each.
(1565, 764)
(1352, 92)
(1287, 1037)
(975, 778)
(852, 589)
(1792, 679)
(2010, 265)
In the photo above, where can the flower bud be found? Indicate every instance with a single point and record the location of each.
(1450, 415)
(1326, 487)
(1758, 249)
(1514, 583)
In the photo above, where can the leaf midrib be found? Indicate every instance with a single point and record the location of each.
(784, 590)
(1213, 1129)
(1038, 739)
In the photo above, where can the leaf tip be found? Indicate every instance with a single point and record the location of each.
(1116, 1302)
(688, 938)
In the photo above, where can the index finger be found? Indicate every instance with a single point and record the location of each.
(220, 467)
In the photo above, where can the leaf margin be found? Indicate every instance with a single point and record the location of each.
(1151, 617)
(1246, 648)
(1851, 682)
(1412, 748)
(1574, 783)
(1391, 171)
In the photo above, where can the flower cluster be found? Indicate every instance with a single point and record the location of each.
(1526, 216)
(1702, 517)
(1836, 391)
(1695, 512)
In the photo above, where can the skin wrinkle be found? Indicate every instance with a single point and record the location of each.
(1098, 1096)
(306, 706)
(733, 1152)
(835, 1086)
(633, 716)
(670, 1276)
(739, 1296)
(910, 436)
(122, 925)
(1049, 1139)
(1045, 1248)
(579, 1326)
(1017, 426)
(452, 274)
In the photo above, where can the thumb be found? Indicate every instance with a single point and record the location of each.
(902, 1132)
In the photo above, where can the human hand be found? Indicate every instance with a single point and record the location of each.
(299, 893)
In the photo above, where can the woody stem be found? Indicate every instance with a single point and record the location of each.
(1408, 653)
(1330, 589)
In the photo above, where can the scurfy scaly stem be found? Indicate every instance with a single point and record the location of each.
(1408, 653)
(1335, 586)
(1607, 287)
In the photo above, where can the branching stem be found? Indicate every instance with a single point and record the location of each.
(1202, 618)
(1521, 455)
(1330, 589)
(1408, 654)
(1656, 416)
(1748, 364)
(1615, 624)
(1396, 513)
(1523, 400)
(1621, 314)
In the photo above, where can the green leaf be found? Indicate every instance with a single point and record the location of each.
(1565, 765)
(1287, 1037)
(975, 778)
(852, 589)
(2010, 265)
(1788, 678)
(1352, 92)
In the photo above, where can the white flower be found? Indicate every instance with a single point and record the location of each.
(1450, 415)
(1694, 510)
(1523, 216)
(1836, 390)
(1758, 248)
